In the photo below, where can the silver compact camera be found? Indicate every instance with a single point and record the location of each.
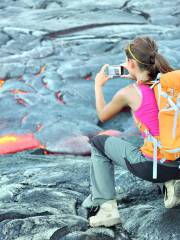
(115, 71)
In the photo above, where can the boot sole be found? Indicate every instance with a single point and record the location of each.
(108, 223)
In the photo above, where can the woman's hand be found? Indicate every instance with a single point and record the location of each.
(101, 78)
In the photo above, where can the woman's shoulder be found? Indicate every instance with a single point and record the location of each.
(129, 87)
(133, 96)
(135, 88)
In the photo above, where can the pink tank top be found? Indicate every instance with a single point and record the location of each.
(147, 113)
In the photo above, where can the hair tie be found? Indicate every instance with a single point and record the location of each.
(129, 49)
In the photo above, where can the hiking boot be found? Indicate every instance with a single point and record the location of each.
(172, 193)
(108, 215)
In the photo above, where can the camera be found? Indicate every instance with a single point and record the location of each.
(115, 71)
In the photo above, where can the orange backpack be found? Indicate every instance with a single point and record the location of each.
(166, 146)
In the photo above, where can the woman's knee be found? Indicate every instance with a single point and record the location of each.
(99, 141)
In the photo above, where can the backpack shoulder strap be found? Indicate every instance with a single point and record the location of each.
(156, 81)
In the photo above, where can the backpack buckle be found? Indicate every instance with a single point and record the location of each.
(171, 92)
(177, 155)
(163, 160)
(146, 132)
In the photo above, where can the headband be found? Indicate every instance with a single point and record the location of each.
(129, 49)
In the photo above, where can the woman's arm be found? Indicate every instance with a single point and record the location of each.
(108, 111)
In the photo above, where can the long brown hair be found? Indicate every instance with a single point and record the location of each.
(145, 51)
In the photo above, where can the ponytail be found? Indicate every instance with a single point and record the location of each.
(162, 64)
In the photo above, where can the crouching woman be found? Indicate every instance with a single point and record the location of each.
(143, 63)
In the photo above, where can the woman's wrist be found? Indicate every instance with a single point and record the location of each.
(98, 85)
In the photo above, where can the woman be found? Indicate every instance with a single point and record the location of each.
(143, 63)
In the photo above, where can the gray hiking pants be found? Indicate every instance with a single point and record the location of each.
(107, 151)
